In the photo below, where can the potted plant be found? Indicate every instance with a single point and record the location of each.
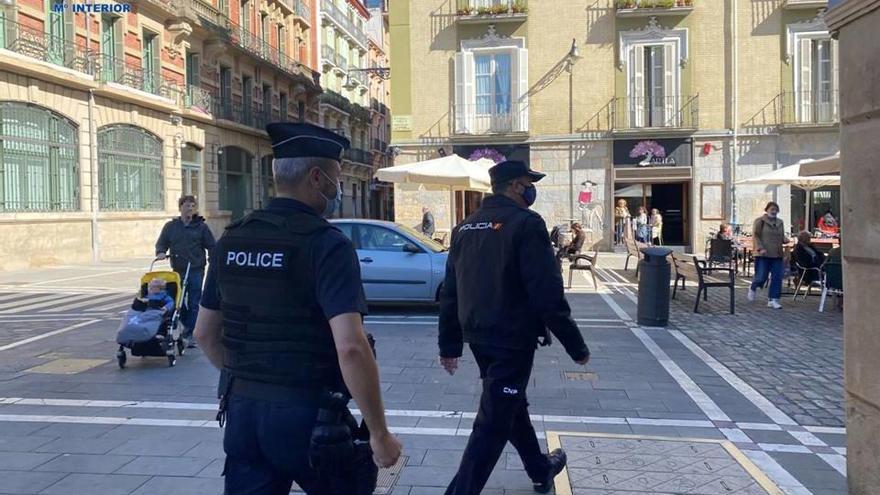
(520, 7)
(626, 4)
(665, 4)
(498, 9)
(465, 11)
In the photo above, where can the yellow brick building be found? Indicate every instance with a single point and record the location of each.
(664, 103)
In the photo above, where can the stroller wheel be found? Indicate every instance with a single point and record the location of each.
(172, 361)
(121, 358)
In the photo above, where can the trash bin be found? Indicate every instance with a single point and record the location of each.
(654, 276)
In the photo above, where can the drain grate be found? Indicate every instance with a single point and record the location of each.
(580, 376)
(387, 478)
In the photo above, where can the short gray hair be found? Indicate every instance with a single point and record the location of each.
(292, 171)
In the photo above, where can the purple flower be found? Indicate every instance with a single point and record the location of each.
(646, 148)
(489, 153)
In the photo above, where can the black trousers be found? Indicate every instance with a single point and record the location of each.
(503, 417)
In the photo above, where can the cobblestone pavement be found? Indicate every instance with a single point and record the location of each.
(72, 422)
(793, 357)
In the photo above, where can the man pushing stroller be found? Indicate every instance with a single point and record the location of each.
(188, 238)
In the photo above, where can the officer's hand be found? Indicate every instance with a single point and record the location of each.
(161, 256)
(386, 449)
(449, 364)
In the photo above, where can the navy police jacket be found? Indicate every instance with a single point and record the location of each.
(503, 287)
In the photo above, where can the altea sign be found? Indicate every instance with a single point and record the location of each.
(652, 153)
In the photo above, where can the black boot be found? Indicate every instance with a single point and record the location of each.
(556, 460)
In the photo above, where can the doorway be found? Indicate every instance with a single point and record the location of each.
(236, 174)
(670, 198)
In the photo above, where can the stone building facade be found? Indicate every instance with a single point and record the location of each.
(666, 107)
(109, 118)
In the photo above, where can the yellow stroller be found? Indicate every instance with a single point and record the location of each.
(166, 339)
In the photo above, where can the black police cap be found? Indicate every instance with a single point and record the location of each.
(296, 140)
(513, 169)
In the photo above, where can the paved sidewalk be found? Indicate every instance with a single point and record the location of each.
(653, 400)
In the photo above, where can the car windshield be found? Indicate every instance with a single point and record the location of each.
(427, 242)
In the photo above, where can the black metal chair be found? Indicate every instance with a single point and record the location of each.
(832, 282)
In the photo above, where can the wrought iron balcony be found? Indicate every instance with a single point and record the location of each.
(199, 99)
(482, 119)
(334, 99)
(492, 10)
(36, 44)
(133, 75)
(643, 8)
(359, 77)
(379, 145)
(669, 112)
(809, 108)
(358, 156)
(250, 115)
(338, 17)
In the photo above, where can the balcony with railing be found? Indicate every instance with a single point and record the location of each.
(360, 78)
(480, 119)
(358, 156)
(336, 100)
(134, 75)
(36, 44)
(330, 11)
(809, 108)
(673, 113)
(380, 145)
(647, 8)
(199, 99)
(302, 11)
(477, 11)
(251, 115)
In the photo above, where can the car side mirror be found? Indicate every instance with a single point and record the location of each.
(411, 248)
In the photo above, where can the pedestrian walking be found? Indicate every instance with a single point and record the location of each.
(427, 222)
(282, 317)
(502, 291)
(188, 238)
(769, 238)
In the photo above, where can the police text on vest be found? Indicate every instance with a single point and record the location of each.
(258, 260)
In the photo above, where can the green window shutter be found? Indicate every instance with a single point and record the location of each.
(2, 45)
(147, 60)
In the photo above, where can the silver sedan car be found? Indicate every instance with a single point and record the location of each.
(398, 263)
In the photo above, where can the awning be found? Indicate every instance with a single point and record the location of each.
(823, 166)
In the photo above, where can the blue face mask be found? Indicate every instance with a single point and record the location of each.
(530, 194)
(332, 204)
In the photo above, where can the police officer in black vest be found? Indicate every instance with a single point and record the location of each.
(502, 291)
(282, 317)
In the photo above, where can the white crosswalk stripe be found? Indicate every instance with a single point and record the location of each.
(68, 303)
(95, 300)
(15, 305)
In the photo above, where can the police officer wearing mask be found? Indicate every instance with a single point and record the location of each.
(502, 291)
(282, 317)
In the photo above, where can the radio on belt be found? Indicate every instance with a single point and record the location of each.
(260, 260)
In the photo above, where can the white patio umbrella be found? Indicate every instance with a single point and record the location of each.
(830, 165)
(450, 172)
(791, 176)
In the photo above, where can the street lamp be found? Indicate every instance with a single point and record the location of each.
(573, 56)
(383, 73)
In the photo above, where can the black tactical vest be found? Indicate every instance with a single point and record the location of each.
(273, 329)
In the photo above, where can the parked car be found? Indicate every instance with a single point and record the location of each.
(398, 263)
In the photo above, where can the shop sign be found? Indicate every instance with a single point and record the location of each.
(652, 153)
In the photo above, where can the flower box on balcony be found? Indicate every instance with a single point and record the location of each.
(645, 8)
(476, 11)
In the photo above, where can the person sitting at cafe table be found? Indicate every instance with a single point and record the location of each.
(807, 257)
(828, 224)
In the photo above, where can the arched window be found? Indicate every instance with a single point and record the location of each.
(130, 169)
(191, 166)
(38, 159)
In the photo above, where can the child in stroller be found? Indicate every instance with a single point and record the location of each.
(150, 325)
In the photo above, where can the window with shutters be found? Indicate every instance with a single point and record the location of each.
(653, 99)
(491, 86)
(225, 92)
(111, 48)
(59, 33)
(150, 62)
(283, 105)
(130, 169)
(815, 79)
(247, 99)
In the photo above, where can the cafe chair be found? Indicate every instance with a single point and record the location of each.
(801, 273)
(721, 254)
(583, 262)
(832, 283)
